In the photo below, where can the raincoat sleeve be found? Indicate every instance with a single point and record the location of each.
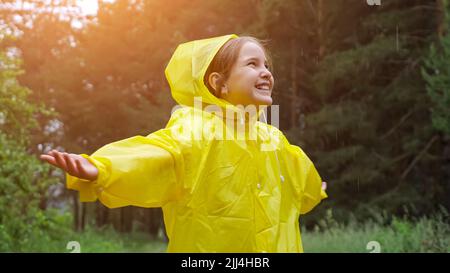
(139, 171)
(307, 180)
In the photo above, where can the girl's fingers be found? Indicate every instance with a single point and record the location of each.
(324, 185)
(71, 165)
(81, 171)
(60, 160)
(50, 159)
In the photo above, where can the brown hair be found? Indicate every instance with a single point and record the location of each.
(227, 56)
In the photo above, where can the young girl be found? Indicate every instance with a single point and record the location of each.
(218, 194)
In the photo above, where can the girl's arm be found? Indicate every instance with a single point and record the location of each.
(137, 171)
(144, 171)
(308, 184)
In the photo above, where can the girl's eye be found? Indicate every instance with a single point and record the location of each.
(266, 65)
(252, 63)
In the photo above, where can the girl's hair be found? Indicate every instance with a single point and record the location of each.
(227, 56)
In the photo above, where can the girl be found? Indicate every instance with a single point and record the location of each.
(217, 195)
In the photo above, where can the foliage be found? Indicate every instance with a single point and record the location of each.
(23, 179)
(406, 234)
(370, 133)
(436, 73)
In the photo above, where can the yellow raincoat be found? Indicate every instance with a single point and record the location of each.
(217, 195)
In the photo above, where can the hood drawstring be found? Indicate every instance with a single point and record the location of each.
(276, 150)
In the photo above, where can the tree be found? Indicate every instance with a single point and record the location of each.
(436, 73)
(372, 136)
(24, 181)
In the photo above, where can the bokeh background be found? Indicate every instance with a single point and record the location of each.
(363, 88)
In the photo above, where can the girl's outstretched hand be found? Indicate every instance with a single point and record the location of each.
(73, 164)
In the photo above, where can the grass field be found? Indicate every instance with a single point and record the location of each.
(426, 234)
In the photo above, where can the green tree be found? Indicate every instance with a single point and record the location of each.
(436, 73)
(24, 181)
(372, 137)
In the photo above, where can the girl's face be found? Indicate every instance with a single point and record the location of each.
(250, 82)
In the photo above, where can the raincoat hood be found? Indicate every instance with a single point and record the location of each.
(187, 68)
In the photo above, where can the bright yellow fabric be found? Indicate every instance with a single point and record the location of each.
(216, 195)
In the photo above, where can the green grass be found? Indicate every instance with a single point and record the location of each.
(109, 240)
(99, 241)
(426, 234)
(54, 232)
(400, 235)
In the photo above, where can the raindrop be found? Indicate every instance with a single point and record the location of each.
(397, 41)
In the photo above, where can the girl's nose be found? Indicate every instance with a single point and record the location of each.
(265, 73)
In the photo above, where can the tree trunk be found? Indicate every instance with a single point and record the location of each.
(294, 99)
(101, 215)
(441, 28)
(76, 212)
(320, 27)
(83, 216)
(126, 219)
(154, 221)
